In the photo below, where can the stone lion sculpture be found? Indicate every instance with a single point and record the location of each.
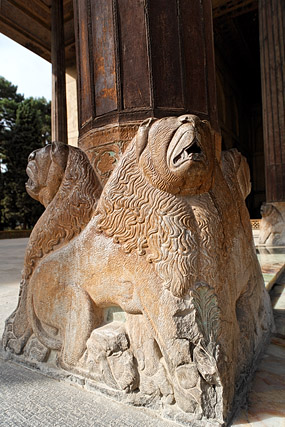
(272, 224)
(62, 179)
(170, 243)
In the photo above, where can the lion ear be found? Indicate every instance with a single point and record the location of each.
(206, 123)
(142, 135)
(57, 150)
(55, 145)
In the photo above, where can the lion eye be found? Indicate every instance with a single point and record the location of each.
(32, 156)
(184, 119)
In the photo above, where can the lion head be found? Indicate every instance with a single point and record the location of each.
(63, 180)
(45, 169)
(144, 204)
(177, 156)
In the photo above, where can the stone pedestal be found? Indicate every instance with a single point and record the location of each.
(150, 290)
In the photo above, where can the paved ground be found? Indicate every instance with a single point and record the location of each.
(11, 262)
(28, 398)
(266, 401)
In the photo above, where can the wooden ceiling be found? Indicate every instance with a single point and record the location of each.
(233, 8)
(28, 22)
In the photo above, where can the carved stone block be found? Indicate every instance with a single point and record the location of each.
(169, 243)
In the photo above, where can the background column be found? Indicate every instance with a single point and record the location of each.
(58, 104)
(271, 36)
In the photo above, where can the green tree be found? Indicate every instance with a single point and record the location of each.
(24, 127)
(44, 109)
(9, 101)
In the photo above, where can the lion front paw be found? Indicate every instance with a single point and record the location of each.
(13, 343)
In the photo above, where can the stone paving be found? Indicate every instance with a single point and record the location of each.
(266, 401)
(29, 398)
(11, 262)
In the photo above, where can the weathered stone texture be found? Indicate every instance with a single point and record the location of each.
(272, 224)
(169, 242)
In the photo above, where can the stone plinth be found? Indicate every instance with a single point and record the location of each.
(151, 290)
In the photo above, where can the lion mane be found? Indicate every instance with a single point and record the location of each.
(153, 222)
(144, 206)
(68, 212)
(69, 190)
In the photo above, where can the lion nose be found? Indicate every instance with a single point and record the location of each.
(187, 118)
(32, 156)
(184, 119)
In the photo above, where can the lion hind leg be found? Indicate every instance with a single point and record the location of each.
(82, 317)
(43, 336)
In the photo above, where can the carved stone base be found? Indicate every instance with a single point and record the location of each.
(169, 243)
(104, 146)
(272, 224)
(109, 368)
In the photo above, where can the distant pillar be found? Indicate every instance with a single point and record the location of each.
(138, 59)
(271, 30)
(58, 105)
(271, 36)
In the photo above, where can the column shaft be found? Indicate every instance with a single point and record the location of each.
(271, 35)
(59, 115)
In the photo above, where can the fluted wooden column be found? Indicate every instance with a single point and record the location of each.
(271, 28)
(138, 59)
(58, 105)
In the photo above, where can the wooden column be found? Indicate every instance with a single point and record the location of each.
(271, 35)
(138, 59)
(58, 110)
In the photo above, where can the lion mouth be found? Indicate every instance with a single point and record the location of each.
(191, 152)
(30, 183)
(186, 148)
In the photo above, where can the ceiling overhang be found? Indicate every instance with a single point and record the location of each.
(233, 8)
(29, 24)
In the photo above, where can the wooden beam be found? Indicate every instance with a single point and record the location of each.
(35, 9)
(23, 38)
(29, 24)
(233, 7)
(58, 110)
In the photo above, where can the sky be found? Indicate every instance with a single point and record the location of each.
(24, 69)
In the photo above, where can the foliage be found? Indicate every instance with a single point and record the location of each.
(24, 127)
(9, 101)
